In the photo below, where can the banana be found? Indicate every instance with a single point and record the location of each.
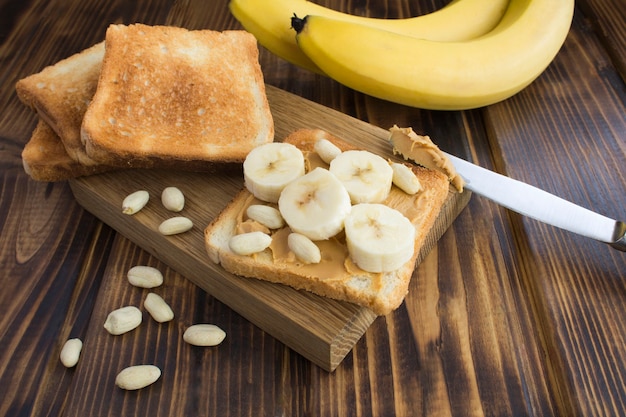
(315, 204)
(379, 238)
(322, 203)
(268, 168)
(366, 176)
(440, 75)
(459, 20)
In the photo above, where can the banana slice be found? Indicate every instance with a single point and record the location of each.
(366, 176)
(315, 204)
(379, 238)
(269, 168)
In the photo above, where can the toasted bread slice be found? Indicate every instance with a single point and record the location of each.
(45, 159)
(333, 277)
(60, 94)
(171, 97)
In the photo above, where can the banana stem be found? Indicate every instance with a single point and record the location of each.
(297, 23)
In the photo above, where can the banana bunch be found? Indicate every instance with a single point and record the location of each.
(345, 196)
(269, 21)
(463, 71)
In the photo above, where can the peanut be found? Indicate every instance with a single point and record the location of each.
(71, 352)
(266, 215)
(173, 199)
(123, 320)
(158, 308)
(135, 202)
(249, 243)
(304, 248)
(175, 225)
(326, 150)
(144, 276)
(204, 335)
(137, 377)
(405, 179)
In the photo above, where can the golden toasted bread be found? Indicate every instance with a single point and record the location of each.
(172, 97)
(334, 277)
(60, 94)
(45, 159)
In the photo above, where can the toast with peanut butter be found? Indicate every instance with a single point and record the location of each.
(60, 94)
(169, 97)
(336, 273)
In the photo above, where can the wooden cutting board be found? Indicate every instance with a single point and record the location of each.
(320, 329)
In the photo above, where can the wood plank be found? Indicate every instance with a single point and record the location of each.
(47, 291)
(608, 22)
(569, 141)
(320, 329)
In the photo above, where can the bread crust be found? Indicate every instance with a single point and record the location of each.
(382, 293)
(60, 94)
(172, 97)
(45, 159)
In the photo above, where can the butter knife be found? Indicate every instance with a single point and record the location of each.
(540, 205)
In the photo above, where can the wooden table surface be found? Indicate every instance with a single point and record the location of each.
(511, 316)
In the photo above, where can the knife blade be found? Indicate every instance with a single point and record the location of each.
(540, 205)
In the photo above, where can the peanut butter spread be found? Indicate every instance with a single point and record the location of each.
(423, 151)
(336, 263)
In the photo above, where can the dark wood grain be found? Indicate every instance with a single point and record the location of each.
(506, 316)
(586, 153)
(607, 23)
(50, 279)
